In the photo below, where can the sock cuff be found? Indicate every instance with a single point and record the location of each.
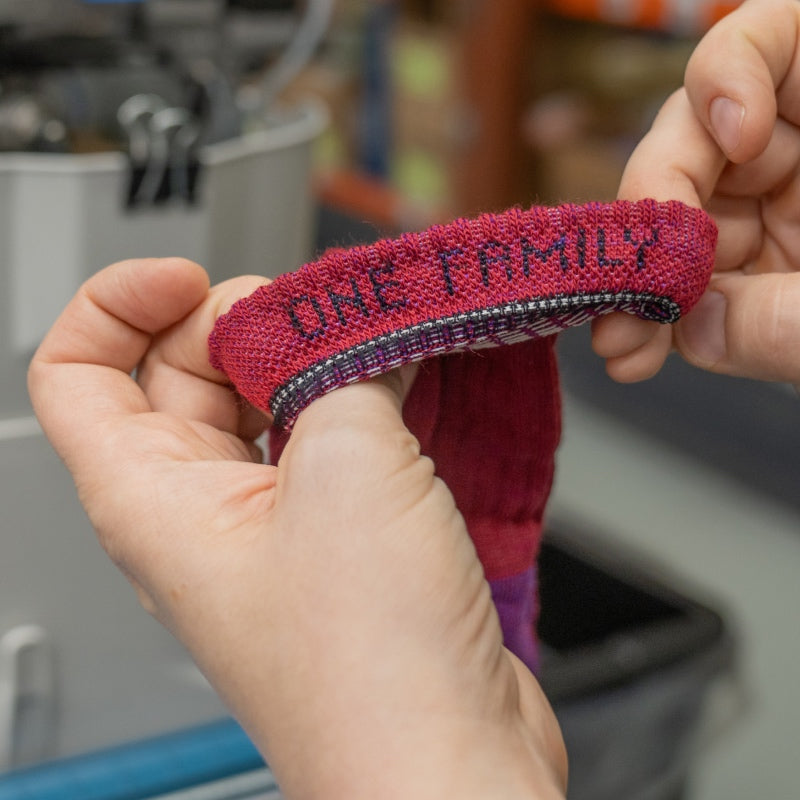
(495, 279)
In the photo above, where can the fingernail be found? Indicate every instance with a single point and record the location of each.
(702, 330)
(726, 117)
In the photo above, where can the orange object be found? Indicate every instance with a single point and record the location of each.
(370, 199)
(360, 195)
(670, 15)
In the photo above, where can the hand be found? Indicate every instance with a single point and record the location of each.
(729, 141)
(335, 601)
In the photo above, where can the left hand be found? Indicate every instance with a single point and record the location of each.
(335, 601)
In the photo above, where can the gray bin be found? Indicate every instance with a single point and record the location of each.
(628, 663)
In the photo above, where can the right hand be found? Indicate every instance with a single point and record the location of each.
(729, 141)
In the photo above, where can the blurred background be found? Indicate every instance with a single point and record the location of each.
(251, 134)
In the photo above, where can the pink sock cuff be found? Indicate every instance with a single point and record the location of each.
(492, 280)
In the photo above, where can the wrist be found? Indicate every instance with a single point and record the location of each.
(432, 760)
(438, 741)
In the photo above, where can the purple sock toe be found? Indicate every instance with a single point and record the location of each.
(515, 599)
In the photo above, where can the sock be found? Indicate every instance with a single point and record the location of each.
(516, 600)
(496, 279)
(488, 416)
(491, 422)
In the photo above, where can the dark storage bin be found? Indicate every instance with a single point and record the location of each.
(627, 662)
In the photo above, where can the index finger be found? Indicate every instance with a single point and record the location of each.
(678, 159)
(111, 319)
(80, 374)
(745, 70)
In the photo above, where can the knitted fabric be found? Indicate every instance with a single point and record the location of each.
(489, 417)
(491, 422)
(516, 601)
(499, 278)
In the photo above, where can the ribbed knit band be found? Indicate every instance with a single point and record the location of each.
(491, 423)
(496, 279)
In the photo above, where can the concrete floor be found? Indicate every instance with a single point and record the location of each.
(734, 547)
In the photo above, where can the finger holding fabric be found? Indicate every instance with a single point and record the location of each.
(730, 141)
(106, 426)
(335, 601)
(676, 159)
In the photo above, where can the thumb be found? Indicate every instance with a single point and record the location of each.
(404, 593)
(366, 409)
(746, 325)
(353, 443)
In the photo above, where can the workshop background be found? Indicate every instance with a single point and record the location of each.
(249, 135)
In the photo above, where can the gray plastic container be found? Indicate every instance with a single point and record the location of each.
(628, 662)
(63, 217)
